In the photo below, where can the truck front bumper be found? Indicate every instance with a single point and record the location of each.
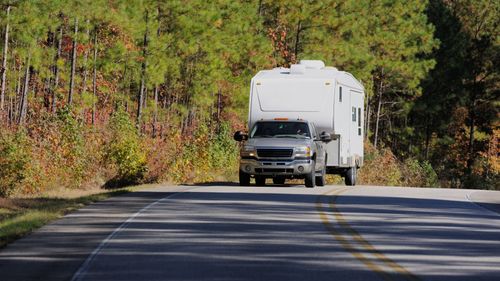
(274, 167)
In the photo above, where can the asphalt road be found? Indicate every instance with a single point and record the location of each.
(226, 232)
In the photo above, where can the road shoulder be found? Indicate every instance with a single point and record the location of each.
(489, 200)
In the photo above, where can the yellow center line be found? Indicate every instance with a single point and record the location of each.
(355, 234)
(363, 242)
(345, 243)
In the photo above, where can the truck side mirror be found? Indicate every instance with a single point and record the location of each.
(240, 136)
(326, 137)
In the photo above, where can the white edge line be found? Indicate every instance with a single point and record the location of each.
(82, 270)
(479, 205)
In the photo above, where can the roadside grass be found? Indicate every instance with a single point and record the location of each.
(21, 216)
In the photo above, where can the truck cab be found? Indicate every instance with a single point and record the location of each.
(283, 149)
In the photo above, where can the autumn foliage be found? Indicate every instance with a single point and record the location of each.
(159, 87)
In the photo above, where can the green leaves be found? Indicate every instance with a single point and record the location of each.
(123, 151)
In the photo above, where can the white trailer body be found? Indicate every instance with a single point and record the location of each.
(333, 100)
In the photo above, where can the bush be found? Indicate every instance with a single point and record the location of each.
(71, 147)
(421, 174)
(123, 151)
(206, 156)
(380, 167)
(14, 162)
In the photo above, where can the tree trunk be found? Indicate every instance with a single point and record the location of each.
(94, 78)
(140, 98)
(11, 111)
(18, 90)
(379, 107)
(472, 117)
(155, 112)
(427, 138)
(24, 98)
(56, 70)
(73, 65)
(46, 94)
(367, 118)
(4, 61)
(219, 109)
(297, 40)
(85, 59)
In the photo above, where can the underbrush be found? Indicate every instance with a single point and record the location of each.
(381, 167)
(62, 152)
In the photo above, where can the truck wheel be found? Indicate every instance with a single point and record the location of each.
(279, 180)
(311, 177)
(260, 180)
(244, 179)
(350, 176)
(321, 178)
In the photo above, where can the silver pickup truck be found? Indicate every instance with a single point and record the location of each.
(283, 149)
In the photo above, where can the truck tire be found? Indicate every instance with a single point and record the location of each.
(279, 180)
(244, 179)
(350, 176)
(310, 179)
(321, 178)
(260, 180)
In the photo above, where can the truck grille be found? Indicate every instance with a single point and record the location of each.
(275, 152)
(273, 170)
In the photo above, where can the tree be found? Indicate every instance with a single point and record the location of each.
(73, 64)
(480, 22)
(4, 59)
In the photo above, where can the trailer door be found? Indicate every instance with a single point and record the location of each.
(355, 126)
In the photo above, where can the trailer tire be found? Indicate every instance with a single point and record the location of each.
(244, 179)
(260, 180)
(278, 180)
(310, 179)
(350, 176)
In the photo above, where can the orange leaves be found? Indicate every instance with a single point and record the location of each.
(278, 38)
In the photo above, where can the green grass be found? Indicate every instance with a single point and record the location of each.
(21, 216)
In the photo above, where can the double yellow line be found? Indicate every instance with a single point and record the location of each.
(397, 272)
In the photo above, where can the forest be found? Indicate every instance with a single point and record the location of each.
(108, 93)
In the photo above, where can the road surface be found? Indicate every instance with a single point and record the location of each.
(227, 232)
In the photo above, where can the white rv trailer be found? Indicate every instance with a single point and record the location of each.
(333, 100)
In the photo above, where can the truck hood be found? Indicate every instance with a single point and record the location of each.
(278, 142)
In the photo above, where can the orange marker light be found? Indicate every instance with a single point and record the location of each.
(280, 119)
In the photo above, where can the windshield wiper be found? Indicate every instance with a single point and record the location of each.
(264, 136)
(287, 136)
(292, 136)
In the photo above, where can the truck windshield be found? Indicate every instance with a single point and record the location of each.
(272, 129)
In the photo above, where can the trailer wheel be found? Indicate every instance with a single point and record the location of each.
(260, 180)
(321, 178)
(350, 176)
(244, 179)
(310, 179)
(279, 180)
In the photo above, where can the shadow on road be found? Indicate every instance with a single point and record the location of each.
(257, 235)
(228, 183)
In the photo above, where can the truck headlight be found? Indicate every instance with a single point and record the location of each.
(303, 151)
(248, 150)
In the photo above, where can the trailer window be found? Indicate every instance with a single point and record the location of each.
(359, 121)
(359, 116)
(340, 94)
(353, 114)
